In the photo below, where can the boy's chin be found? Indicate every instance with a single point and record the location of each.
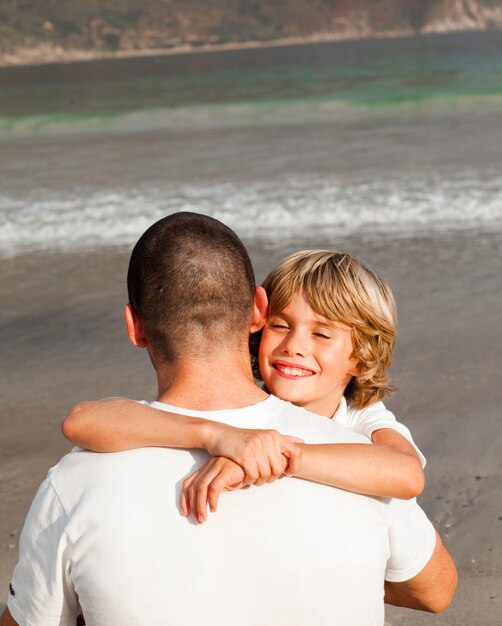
(289, 396)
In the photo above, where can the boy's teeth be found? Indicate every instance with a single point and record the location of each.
(293, 371)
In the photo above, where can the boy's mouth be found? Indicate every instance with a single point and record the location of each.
(292, 371)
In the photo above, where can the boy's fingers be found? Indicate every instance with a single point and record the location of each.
(183, 504)
(209, 475)
(213, 493)
(212, 498)
(294, 457)
(278, 464)
(202, 502)
(251, 471)
(192, 497)
(184, 497)
(191, 500)
(264, 470)
(230, 477)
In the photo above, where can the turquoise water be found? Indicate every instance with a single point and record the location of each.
(383, 137)
(370, 73)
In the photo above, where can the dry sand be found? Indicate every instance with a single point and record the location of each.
(62, 341)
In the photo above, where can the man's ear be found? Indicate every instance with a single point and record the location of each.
(260, 310)
(134, 328)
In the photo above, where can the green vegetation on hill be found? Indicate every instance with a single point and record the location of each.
(129, 25)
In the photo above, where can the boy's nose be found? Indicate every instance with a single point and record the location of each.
(294, 345)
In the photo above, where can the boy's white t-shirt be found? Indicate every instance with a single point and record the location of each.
(374, 417)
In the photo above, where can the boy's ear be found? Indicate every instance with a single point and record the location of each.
(356, 369)
(260, 310)
(134, 328)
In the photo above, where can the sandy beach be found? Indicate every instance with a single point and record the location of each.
(62, 341)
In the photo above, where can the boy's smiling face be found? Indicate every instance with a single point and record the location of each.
(305, 358)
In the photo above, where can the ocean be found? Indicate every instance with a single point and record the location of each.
(379, 138)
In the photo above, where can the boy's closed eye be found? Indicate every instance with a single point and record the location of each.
(322, 334)
(278, 325)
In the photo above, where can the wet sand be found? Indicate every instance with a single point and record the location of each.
(62, 341)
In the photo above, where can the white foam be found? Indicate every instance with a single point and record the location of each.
(267, 209)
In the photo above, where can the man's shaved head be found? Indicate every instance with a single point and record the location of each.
(191, 283)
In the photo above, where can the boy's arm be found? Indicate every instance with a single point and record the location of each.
(393, 470)
(117, 424)
(388, 468)
(432, 589)
(203, 488)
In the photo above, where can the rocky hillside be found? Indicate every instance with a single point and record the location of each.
(42, 30)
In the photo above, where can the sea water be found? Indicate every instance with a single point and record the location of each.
(377, 137)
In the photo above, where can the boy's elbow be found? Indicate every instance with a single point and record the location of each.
(413, 481)
(409, 489)
(72, 423)
(417, 485)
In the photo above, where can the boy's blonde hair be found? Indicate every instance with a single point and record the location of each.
(342, 289)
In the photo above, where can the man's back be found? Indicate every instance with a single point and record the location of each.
(292, 552)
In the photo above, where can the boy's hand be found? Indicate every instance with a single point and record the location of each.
(260, 453)
(204, 486)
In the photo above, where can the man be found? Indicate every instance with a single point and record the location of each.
(105, 536)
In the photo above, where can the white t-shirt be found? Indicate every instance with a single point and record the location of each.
(374, 417)
(105, 534)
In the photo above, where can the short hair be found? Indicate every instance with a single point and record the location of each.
(191, 283)
(340, 288)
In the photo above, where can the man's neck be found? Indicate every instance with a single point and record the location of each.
(218, 383)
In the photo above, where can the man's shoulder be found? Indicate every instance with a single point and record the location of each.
(86, 462)
(311, 427)
(76, 469)
(110, 490)
(82, 471)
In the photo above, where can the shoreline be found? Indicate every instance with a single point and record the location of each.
(45, 54)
